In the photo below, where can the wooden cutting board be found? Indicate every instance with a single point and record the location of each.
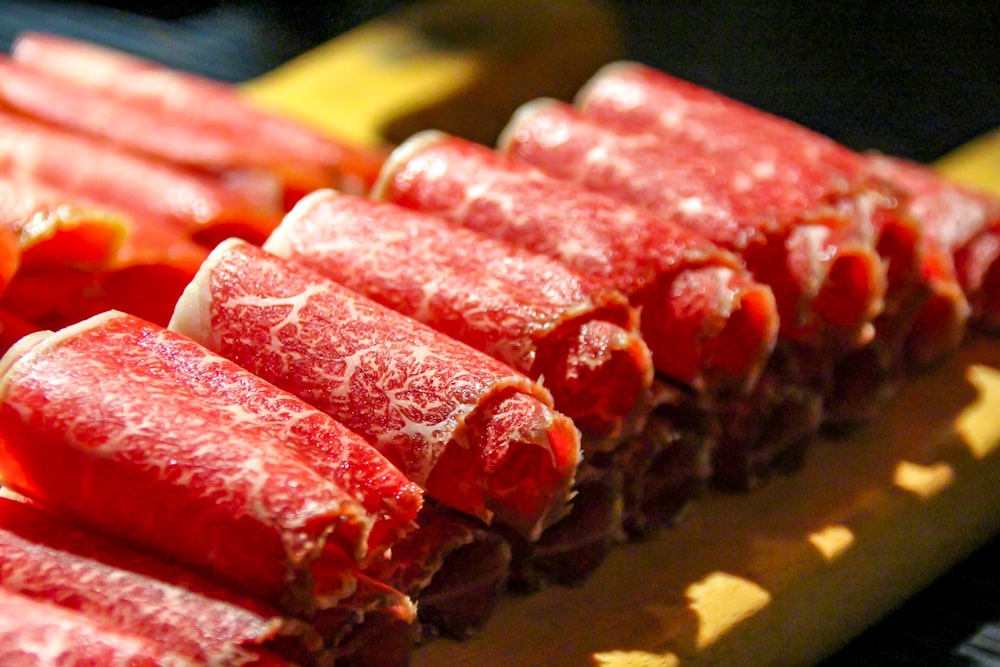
(785, 575)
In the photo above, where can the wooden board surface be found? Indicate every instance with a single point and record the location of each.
(785, 575)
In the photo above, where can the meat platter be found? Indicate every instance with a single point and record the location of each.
(745, 550)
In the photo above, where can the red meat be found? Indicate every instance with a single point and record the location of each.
(195, 120)
(522, 308)
(707, 323)
(49, 559)
(453, 566)
(35, 633)
(475, 434)
(77, 259)
(208, 207)
(774, 169)
(962, 227)
(821, 264)
(251, 480)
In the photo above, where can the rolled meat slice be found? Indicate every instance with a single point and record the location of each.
(707, 323)
(47, 558)
(78, 259)
(840, 259)
(792, 171)
(33, 632)
(252, 480)
(520, 307)
(770, 166)
(207, 207)
(822, 266)
(191, 119)
(475, 434)
(960, 223)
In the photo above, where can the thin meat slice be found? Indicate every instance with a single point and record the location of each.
(145, 279)
(77, 258)
(215, 126)
(36, 633)
(53, 231)
(453, 566)
(386, 639)
(822, 265)
(639, 98)
(38, 228)
(707, 323)
(710, 326)
(774, 167)
(253, 482)
(101, 115)
(475, 434)
(769, 431)
(47, 558)
(839, 258)
(962, 226)
(207, 207)
(522, 308)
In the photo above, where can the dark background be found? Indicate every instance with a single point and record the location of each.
(915, 80)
